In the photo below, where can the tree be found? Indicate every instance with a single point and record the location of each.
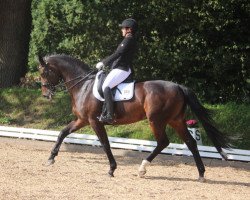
(15, 23)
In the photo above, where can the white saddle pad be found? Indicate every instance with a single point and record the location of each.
(123, 92)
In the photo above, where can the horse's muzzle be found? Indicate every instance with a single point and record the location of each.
(48, 95)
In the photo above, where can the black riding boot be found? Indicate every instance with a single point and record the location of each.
(108, 118)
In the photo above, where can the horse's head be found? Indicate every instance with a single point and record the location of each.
(49, 78)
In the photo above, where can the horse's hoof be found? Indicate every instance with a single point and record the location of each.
(50, 162)
(111, 173)
(141, 174)
(201, 179)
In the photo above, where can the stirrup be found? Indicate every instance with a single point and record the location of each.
(106, 119)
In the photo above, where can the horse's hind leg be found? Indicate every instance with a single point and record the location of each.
(158, 129)
(183, 132)
(71, 127)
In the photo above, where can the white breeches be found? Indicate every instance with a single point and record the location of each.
(115, 77)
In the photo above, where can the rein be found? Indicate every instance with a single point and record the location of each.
(82, 78)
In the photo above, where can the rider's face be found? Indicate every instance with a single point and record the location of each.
(125, 31)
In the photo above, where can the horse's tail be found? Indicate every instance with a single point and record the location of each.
(219, 139)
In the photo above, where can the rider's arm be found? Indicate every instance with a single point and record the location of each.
(123, 48)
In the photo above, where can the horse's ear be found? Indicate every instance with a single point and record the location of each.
(41, 61)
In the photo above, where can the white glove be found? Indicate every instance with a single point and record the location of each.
(99, 65)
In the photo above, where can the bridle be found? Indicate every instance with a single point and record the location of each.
(52, 87)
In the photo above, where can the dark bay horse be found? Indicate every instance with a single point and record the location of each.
(161, 102)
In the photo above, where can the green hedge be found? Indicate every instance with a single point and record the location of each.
(201, 44)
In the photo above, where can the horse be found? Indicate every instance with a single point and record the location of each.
(161, 102)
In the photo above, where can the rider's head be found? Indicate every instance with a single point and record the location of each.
(129, 26)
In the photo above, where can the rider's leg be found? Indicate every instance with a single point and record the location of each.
(109, 105)
(115, 77)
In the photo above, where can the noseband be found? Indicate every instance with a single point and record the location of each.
(50, 87)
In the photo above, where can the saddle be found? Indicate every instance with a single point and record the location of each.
(122, 92)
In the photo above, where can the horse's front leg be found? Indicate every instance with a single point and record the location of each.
(102, 135)
(71, 127)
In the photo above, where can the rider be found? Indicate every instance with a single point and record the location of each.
(121, 64)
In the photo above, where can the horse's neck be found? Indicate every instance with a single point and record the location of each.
(69, 75)
(72, 76)
(80, 93)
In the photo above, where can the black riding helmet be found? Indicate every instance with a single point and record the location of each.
(129, 23)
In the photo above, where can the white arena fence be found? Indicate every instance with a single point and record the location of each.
(121, 143)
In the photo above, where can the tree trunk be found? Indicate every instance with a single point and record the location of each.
(15, 28)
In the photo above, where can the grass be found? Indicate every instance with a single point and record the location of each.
(27, 108)
(234, 119)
